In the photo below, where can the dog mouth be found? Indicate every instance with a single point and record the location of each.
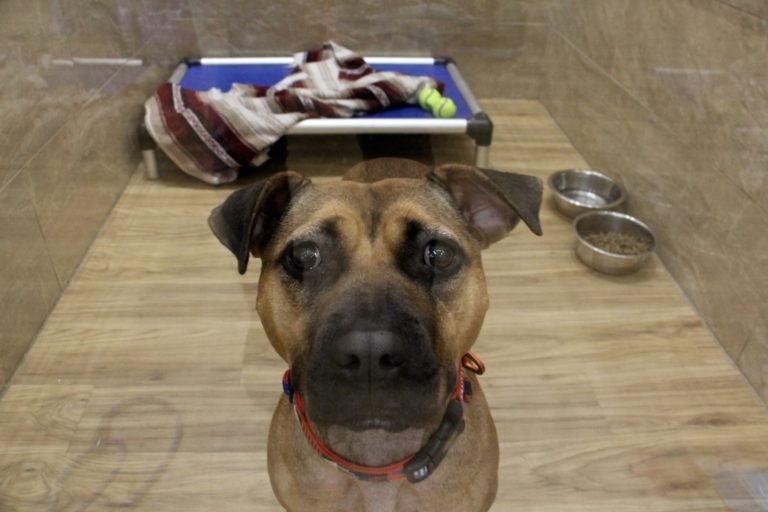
(401, 405)
(394, 405)
(398, 406)
(377, 423)
(393, 422)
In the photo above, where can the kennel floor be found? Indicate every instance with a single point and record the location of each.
(151, 385)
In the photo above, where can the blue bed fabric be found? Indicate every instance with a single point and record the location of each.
(204, 77)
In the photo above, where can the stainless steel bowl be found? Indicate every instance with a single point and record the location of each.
(581, 190)
(602, 259)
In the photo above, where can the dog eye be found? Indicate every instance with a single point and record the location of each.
(439, 254)
(305, 255)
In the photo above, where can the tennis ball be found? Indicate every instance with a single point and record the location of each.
(430, 99)
(427, 96)
(446, 108)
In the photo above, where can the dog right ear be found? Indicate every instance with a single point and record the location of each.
(245, 222)
(492, 202)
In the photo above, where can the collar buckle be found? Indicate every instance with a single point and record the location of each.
(428, 458)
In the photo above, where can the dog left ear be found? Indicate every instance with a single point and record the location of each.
(246, 220)
(492, 202)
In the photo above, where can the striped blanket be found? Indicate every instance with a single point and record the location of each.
(211, 134)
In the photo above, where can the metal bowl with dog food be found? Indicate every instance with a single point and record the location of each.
(582, 190)
(612, 242)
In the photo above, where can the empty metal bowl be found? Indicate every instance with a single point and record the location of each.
(612, 242)
(581, 190)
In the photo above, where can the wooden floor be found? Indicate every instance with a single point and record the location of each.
(152, 385)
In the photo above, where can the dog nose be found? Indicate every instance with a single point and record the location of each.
(369, 356)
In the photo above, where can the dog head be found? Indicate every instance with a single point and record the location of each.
(372, 288)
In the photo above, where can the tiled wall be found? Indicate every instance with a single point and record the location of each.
(671, 96)
(66, 149)
(67, 143)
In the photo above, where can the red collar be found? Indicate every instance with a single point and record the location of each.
(415, 467)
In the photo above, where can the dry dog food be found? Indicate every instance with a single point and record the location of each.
(619, 243)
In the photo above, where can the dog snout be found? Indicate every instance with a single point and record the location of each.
(369, 356)
(371, 362)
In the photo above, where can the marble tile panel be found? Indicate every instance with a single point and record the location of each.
(171, 33)
(275, 35)
(22, 21)
(697, 64)
(755, 7)
(32, 107)
(307, 12)
(522, 11)
(45, 52)
(257, 28)
(401, 10)
(753, 361)
(212, 36)
(81, 172)
(503, 60)
(407, 37)
(73, 28)
(519, 11)
(44, 82)
(29, 282)
(697, 212)
(167, 53)
(246, 9)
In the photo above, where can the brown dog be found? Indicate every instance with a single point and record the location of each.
(372, 291)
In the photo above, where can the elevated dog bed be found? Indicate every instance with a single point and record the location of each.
(206, 73)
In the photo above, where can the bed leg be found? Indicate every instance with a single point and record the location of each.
(150, 164)
(148, 154)
(482, 156)
(480, 128)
